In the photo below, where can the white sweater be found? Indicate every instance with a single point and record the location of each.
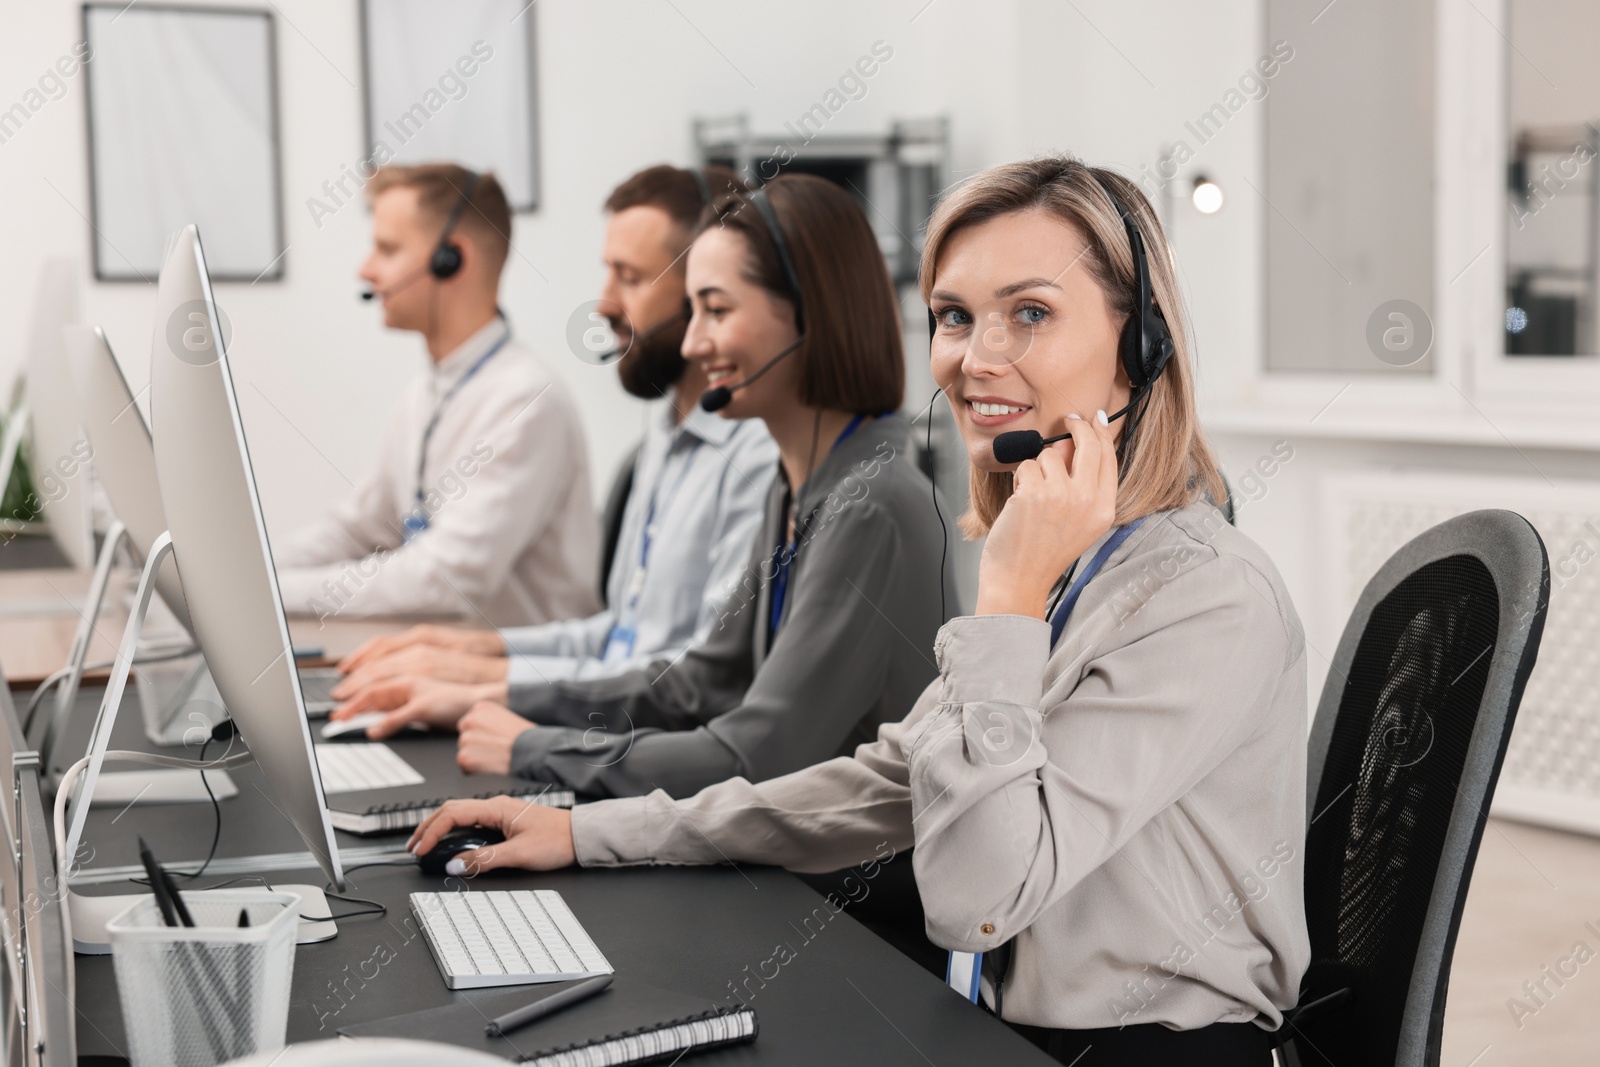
(512, 537)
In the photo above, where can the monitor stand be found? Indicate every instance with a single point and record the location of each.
(90, 914)
(87, 915)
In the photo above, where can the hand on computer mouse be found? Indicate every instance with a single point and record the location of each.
(537, 838)
(414, 700)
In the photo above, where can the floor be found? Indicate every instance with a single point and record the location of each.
(1534, 904)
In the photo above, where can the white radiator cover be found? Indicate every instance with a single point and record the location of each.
(1552, 769)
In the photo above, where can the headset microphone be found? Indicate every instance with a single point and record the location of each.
(1014, 446)
(720, 396)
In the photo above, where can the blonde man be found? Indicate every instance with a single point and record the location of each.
(479, 506)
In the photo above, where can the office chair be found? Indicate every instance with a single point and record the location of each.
(611, 517)
(1404, 754)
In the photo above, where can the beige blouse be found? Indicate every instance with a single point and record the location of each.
(1129, 806)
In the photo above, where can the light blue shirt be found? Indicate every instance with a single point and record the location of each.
(703, 484)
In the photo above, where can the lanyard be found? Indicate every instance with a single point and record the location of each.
(417, 521)
(647, 537)
(786, 553)
(963, 969)
(1070, 601)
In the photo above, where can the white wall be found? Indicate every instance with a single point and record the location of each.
(619, 83)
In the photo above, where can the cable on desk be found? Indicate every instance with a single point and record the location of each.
(396, 861)
(376, 907)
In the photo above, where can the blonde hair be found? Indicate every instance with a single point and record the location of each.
(1167, 464)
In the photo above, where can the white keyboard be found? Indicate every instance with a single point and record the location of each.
(347, 767)
(316, 688)
(506, 937)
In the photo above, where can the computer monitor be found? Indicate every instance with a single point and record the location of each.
(208, 492)
(58, 451)
(125, 459)
(37, 1021)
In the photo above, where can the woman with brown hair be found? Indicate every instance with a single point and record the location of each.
(825, 637)
(1106, 784)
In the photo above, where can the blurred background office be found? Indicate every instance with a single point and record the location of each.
(1386, 217)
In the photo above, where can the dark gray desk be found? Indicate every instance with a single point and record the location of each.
(842, 997)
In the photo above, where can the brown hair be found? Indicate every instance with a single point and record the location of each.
(1168, 463)
(853, 357)
(486, 218)
(675, 191)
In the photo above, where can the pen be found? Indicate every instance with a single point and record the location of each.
(175, 913)
(502, 1025)
(177, 898)
(158, 885)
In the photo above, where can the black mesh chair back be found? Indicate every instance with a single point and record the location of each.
(1404, 754)
(611, 519)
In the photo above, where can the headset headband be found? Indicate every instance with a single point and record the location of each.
(770, 217)
(462, 201)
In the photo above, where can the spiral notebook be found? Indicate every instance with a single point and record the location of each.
(629, 1023)
(381, 811)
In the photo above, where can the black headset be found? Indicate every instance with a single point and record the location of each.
(1146, 343)
(719, 397)
(1144, 347)
(445, 262)
(791, 277)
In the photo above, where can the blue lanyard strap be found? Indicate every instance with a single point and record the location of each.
(647, 535)
(786, 553)
(963, 969)
(1070, 601)
(444, 401)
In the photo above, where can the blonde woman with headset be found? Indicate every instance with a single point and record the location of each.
(1106, 783)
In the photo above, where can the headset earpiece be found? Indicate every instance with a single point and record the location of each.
(1146, 342)
(445, 262)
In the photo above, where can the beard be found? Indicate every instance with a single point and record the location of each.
(654, 364)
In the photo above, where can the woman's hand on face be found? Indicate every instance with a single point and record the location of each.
(1054, 513)
(537, 838)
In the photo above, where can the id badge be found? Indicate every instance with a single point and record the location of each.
(619, 645)
(415, 523)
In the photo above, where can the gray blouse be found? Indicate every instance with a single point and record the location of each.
(854, 649)
(1129, 806)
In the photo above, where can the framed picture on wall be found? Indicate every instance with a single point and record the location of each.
(456, 83)
(183, 127)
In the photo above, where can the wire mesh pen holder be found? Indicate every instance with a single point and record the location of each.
(206, 994)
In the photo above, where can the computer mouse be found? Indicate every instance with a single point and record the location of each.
(355, 727)
(461, 839)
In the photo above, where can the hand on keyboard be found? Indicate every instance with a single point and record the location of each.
(427, 661)
(488, 730)
(416, 699)
(537, 838)
(483, 642)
